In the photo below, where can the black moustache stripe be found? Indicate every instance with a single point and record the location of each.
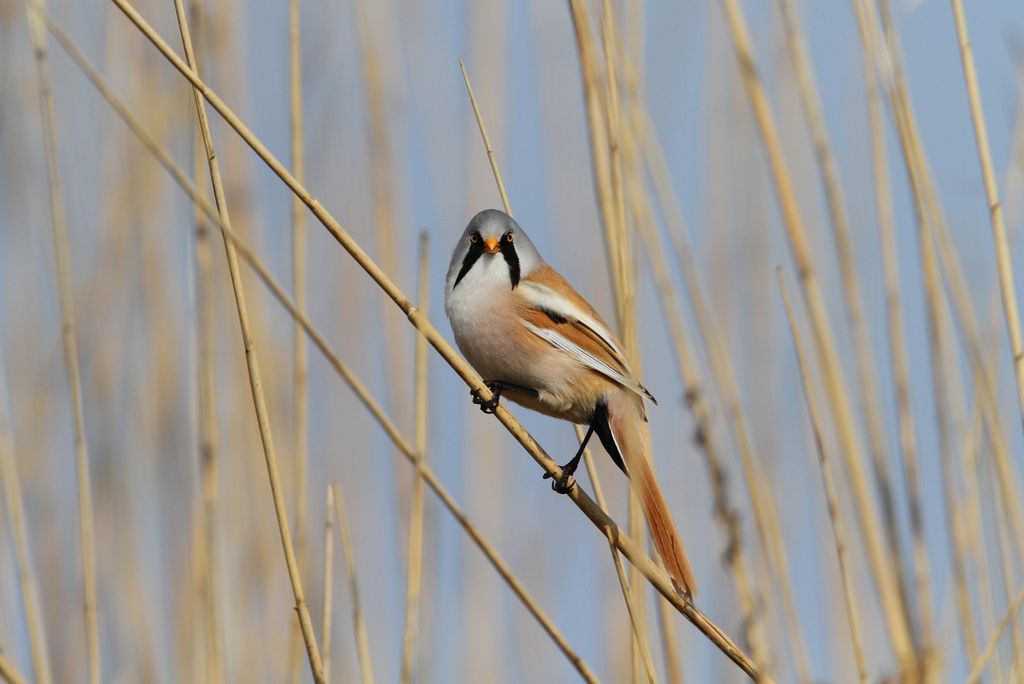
(508, 250)
(475, 250)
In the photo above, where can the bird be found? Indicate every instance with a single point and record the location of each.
(536, 341)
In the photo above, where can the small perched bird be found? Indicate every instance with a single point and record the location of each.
(536, 341)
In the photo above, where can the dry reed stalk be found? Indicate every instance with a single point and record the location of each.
(880, 564)
(979, 665)
(10, 673)
(976, 525)
(16, 510)
(255, 380)
(70, 344)
(1002, 247)
(620, 255)
(347, 554)
(831, 495)
(325, 630)
(867, 374)
(638, 640)
(414, 577)
(300, 362)
(487, 140)
(207, 555)
(626, 544)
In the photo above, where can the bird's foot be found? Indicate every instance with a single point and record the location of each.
(497, 387)
(565, 482)
(488, 405)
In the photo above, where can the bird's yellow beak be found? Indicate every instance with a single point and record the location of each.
(492, 245)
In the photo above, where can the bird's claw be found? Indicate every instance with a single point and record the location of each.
(488, 405)
(563, 484)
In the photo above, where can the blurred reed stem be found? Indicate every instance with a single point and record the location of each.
(828, 484)
(207, 555)
(414, 575)
(27, 581)
(69, 337)
(300, 363)
(359, 626)
(328, 606)
(1002, 247)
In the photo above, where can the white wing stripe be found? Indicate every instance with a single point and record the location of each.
(544, 297)
(583, 356)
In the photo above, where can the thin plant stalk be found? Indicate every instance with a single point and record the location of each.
(26, 576)
(255, 380)
(207, 554)
(414, 576)
(629, 546)
(1002, 246)
(69, 337)
(300, 362)
(831, 495)
(328, 589)
(990, 646)
(487, 140)
(359, 626)
(639, 641)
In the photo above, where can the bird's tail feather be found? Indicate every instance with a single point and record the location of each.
(625, 421)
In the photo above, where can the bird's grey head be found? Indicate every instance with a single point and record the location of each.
(493, 234)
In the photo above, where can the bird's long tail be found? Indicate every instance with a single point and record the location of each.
(625, 418)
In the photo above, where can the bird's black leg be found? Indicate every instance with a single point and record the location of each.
(565, 483)
(497, 387)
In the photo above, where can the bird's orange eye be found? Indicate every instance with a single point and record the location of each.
(508, 236)
(474, 238)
